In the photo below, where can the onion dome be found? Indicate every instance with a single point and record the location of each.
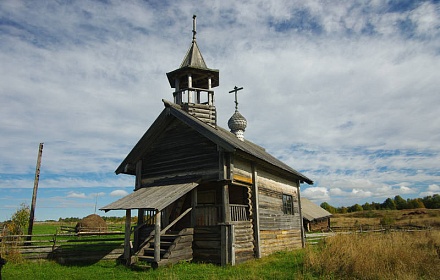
(237, 124)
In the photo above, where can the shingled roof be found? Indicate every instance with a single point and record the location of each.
(220, 136)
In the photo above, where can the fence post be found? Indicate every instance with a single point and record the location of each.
(54, 240)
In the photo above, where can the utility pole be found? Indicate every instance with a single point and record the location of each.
(34, 195)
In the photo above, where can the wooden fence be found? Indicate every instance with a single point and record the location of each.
(315, 237)
(64, 247)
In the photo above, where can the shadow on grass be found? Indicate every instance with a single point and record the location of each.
(86, 254)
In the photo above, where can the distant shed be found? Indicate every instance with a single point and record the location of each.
(314, 217)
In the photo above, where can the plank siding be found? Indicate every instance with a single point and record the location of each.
(278, 231)
(244, 241)
(279, 240)
(179, 151)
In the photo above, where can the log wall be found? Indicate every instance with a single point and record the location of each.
(207, 244)
(244, 241)
(180, 151)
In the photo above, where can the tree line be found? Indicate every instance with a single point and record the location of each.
(396, 203)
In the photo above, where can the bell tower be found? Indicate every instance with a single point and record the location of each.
(193, 82)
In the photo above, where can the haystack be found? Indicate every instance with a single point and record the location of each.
(91, 223)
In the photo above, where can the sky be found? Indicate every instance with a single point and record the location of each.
(346, 92)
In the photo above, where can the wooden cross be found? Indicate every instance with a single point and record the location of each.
(236, 89)
(194, 27)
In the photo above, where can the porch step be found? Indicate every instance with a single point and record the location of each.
(174, 247)
(150, 251)
(147, 259)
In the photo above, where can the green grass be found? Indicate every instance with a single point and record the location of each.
(45, 228)
(367, 256)
(283, 265)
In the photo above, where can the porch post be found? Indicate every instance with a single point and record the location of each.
(157, 237)
(226, 208)
(127, 247)
(194, 205)
(256, 215)
(301, 223)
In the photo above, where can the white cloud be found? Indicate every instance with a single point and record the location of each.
(73, 194)
(119, 193)
(317, 193)
(431, 190)
(346, 92)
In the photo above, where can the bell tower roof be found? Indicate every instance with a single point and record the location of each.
(194, 64)
(194, 57)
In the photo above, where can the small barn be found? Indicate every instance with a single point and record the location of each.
(315, 218)
(202, 192)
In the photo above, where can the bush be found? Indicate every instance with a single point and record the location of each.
(387, 221)
(19, 220)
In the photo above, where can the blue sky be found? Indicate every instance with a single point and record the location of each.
(346, 92)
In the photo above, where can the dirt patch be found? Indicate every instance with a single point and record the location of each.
(417, 212)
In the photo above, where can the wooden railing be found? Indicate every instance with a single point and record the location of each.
(239, 212)
(207, 215)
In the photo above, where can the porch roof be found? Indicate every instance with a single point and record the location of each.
(152, 197)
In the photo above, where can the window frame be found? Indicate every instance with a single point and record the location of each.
(288, 204)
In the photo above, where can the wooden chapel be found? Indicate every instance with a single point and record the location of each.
(203, 193)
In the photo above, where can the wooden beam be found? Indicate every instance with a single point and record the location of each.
(138, 174)
(243, 179)
(193, 206)
(301, 224)
(256, 215)
(157, 238)
(127, 247)
(225, 205)
(224, 241)
(231, 245)
(34, 194)
(176, 220)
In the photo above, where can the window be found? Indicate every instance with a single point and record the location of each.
(287, 204)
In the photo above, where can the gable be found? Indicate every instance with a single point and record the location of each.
(178, 151)
(164, 134)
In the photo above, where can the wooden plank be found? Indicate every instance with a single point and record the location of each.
(157, 238)
(243, 179)
(231, 244)
(225, 205)
(127, 247)
(256, 212)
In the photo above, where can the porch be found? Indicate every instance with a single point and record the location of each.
(179, 220)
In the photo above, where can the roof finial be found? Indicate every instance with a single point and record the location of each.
(194, 27)
(237, 123)
(236, 89)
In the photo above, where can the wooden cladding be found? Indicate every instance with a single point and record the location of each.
(271, 212)
(180, 151)
(203, 112)
(243, 179)
(279, 240)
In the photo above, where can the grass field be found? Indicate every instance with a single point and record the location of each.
(390, 255)
(398, 255)
(413, 217)
(283, 265)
